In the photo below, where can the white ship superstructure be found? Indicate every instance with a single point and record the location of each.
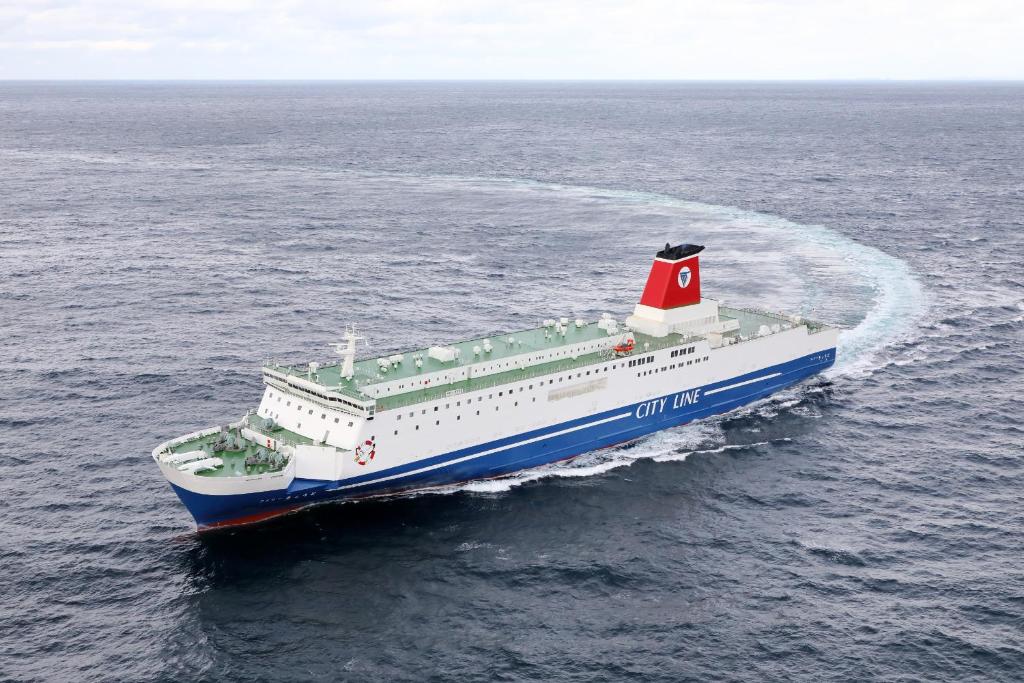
(491, 406)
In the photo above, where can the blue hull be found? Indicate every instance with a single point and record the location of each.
(515, 453)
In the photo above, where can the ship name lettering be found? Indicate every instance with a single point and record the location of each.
(648, 408)
(685, 398)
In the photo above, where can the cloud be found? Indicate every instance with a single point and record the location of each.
(106, 45)
(684, 39)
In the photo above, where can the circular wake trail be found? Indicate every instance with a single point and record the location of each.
(760, 260)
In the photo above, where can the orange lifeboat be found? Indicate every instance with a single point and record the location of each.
(624, 347)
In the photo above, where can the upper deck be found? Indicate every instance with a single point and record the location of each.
(418, 376)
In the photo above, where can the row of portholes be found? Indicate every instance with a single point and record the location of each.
(458, 418)
(542, 383)
(664, 368)
(276, 415)
(510, 392)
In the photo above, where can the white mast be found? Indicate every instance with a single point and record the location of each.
(347, 352)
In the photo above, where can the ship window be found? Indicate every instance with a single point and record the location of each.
(437, 422)
(349, 424)
(689, 362)
(411, 414)
(534, 399)
(531, 386)
(310, 411)
(323, 416)
(396, 432)
(478, 412)
(500, 393)
(336, 420)
(397, 417)
(288, 403)
(458, 403)
(458, 417)
(417, 427)
(278, 399)
(299, 426)
(517, 403)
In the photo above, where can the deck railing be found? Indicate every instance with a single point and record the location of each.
(644, 344)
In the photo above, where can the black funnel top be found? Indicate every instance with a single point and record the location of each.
(670, 253)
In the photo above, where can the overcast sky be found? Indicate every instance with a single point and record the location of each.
(529, 39)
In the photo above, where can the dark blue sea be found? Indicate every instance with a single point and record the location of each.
(158, 241)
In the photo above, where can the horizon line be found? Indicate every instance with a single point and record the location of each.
(515, 80)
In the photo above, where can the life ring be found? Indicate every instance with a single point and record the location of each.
(365, 452)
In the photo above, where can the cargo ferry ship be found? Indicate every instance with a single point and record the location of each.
(492, 406)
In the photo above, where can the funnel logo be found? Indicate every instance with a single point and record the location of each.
(684, 277)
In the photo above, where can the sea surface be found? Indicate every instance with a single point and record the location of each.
(159, 240)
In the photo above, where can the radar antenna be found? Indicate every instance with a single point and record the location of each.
(347, 351)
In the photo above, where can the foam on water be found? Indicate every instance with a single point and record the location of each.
(891, 313)
(807, 259)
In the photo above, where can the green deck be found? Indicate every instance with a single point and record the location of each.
(367, 372)
(234, 460)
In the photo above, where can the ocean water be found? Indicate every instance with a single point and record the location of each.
(158, 241)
